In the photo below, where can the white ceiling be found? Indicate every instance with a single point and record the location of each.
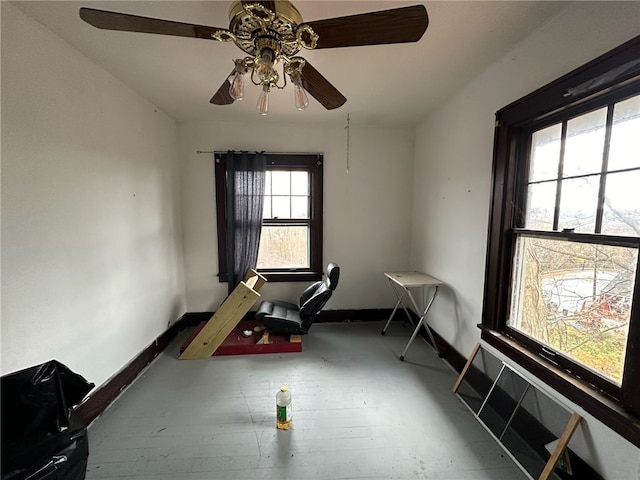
(390, 85)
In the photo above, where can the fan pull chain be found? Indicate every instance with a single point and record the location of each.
(347, 129)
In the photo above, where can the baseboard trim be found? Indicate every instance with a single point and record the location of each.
(193, 319)
(98, 401)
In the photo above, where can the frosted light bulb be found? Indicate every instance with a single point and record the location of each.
(302, 102)
(236, 90)
(263, 100)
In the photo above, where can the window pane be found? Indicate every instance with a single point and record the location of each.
(578, 204)
(502, 400)
(585, 143)
(267, 182)
(284, 247)
(621, 214)
(299, 183)
(481, 374)
(541, 205)
(281, 207)
(624, 150)
(545, 153)
(266, 208)
(299, 207)
(576, 299)
(535, 428)
(280, 183)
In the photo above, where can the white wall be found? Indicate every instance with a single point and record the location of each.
(91, 252)
(366, 212)
(452, 180)
(92, 219)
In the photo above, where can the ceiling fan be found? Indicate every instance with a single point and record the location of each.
(272, 33)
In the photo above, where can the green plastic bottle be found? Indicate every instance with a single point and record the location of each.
(283, 408)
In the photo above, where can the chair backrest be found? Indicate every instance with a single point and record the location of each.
(333, 275)
(316, 296)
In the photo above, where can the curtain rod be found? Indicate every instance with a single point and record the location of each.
(219, 152)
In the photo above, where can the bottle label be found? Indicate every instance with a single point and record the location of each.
(283, 413)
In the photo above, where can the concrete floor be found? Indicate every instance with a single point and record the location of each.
(358, 413)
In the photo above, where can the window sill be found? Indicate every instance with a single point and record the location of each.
(601, 406)
(293, 276)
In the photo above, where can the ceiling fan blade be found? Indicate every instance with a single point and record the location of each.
(320, 88)
(133, 23)
(398, 25)
(222, 96)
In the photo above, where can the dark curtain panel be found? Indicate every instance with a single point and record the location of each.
(245, 194)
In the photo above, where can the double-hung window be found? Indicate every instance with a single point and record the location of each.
(291, 237)
(562, 293)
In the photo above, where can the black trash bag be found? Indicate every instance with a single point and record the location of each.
(42, 439)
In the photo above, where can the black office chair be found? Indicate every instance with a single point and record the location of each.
(288, 318)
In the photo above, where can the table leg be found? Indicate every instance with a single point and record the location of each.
(399, 296)
(420, 322)
(384, 330)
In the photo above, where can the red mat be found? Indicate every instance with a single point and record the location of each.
(237, 344)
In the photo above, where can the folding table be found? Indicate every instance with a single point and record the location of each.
(402, 282)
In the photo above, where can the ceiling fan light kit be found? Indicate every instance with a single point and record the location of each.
(271, 33)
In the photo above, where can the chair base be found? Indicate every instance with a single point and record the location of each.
(284, 327)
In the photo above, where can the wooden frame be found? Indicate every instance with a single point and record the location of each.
(562, 440)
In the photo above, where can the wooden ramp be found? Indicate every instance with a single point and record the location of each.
(220, 325)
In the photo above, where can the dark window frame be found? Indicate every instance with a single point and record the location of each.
(312, 163)
(514, 124)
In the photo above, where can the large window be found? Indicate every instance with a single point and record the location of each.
(291, 239)
(562, 294)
